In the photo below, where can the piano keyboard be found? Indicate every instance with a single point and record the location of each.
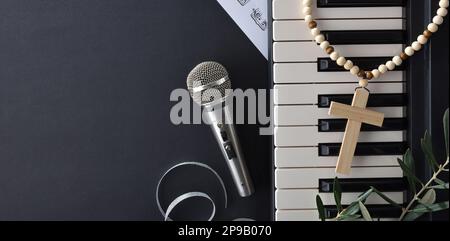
(306, 139)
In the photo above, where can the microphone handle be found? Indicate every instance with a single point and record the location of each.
(229, 144)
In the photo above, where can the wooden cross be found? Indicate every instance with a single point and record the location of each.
(356, 115)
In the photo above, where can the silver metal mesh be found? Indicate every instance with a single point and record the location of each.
(206, 74)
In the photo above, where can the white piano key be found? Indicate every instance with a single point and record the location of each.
(306, 198)
(309, 51)
(309, 215)
(309, 136)
(292, 73)
(300, 115)
(297, 178)
(298, 30)
(292, 9)
(297, 157)
(292, 94)
(297, 215)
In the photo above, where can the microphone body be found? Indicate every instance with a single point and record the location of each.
(228, 141)
(209, 86)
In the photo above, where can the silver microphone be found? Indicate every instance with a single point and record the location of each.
(209, 86)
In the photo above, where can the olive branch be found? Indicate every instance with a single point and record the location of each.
(424, 194)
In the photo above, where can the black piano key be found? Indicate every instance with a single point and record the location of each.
(364, 184)
(366, 149)
(338, 125)
(360, 3)
(328, 65)
(375, 100)
(376, 211)
(366, 37)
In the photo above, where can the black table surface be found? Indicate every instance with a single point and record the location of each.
(85, 132)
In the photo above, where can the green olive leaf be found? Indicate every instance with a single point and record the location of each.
(440, 186)
(353, 208)
(422, 209)
(337, 190)
(410, 176)
(425, 208)
(363, 197)
(386, 198)
(429, 197)
(408, 159)
(439, 181)
(354, 217)
(427, 149)
(446, 129)
(320, 208)
(412, 216)
(365, 212)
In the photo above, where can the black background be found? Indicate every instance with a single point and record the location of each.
(84, 109)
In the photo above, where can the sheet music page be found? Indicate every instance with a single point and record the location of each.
(251, 17)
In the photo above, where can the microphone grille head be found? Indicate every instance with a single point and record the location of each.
(208, 82)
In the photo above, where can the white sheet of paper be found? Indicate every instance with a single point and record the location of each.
(251, 17)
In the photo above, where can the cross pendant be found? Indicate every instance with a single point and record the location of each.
(356, 115)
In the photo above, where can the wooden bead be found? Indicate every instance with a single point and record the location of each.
(329, 50)
(416, 46)
(404, 56)
(427, 34)
(442, 12)
(397, 60)
(362, 74)
(363, 83)
(438, 20)
(365, 76)
(312, 24)
(348, 65)
(390, 65)
(307, 10)
(354, 70)
(432, 27)
(376, 73)
(335, 56)
(341, 61)
(324, 45)
(422, 39)
(308, 18)
(307, 3)
(382, 68)
(319, 38)
(409, 51)
(315, 32)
